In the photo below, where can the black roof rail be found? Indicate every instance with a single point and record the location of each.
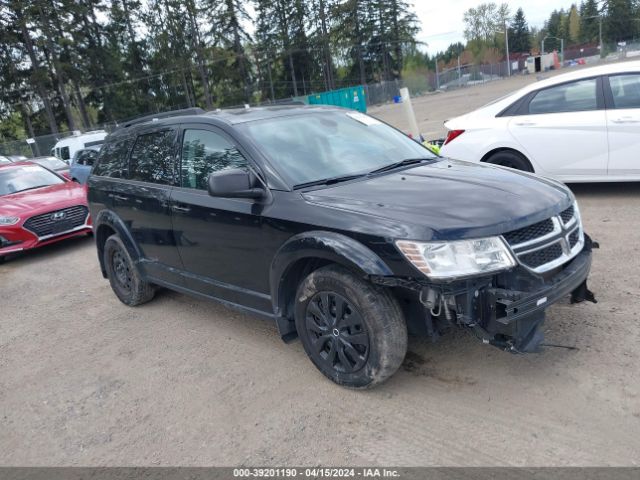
(158, 116)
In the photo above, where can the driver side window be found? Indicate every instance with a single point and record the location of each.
(204, 152)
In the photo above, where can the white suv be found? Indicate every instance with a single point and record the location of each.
(582, 126)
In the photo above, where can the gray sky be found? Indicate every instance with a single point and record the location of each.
(442, 19)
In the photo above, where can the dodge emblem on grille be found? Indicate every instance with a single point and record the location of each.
(58, 215)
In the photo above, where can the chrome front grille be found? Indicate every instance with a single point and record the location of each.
(550, 243)
(58, 222)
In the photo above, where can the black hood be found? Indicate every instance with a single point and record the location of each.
(452, 199)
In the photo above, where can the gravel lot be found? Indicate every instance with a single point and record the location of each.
(85, 380)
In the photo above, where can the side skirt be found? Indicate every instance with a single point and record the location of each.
(193, 293)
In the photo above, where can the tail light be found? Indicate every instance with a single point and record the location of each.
(452, 135)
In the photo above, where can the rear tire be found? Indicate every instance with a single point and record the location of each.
(123, 275)
(511, 159)
(1, 260)
(354, 332)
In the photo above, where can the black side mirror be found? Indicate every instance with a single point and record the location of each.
(234, 183)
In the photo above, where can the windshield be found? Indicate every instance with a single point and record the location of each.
(320, 145)
(19, 179)
(51, 163)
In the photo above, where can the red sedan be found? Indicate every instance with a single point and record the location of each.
(38, 207)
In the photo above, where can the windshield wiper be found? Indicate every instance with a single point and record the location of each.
(401, 163)
(329, 181)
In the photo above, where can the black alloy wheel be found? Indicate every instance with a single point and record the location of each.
(338, 334)
(354, 332)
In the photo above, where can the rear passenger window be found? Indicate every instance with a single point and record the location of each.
(64, 153)
(625, 90)
(570, 97)
(152, 158)
(204, 152)
(112, 161)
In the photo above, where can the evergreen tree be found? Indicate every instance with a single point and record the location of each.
(519, 40)
(589, 21)
(619, 20)
(573, 24)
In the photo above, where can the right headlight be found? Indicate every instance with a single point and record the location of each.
(9, 220)
(459, 258)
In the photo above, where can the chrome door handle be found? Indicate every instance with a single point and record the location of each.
(119, 197)
(176, 208)
(525, 124)
(625, 120)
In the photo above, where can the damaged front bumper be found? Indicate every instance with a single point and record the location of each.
(515, 317)
(505, 310)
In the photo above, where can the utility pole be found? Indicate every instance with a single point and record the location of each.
(437, 75)
(506, 41)
(600, 33)
(599, 17)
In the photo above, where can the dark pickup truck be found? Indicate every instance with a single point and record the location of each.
(338, 227)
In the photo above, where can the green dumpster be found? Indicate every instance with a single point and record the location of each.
(352, 97)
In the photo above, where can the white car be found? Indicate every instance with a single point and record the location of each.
(582, 126)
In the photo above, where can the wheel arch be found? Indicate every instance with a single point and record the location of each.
(305, 253)
(490, 153)
(106, 224)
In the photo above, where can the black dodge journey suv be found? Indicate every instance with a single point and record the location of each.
(340, 228)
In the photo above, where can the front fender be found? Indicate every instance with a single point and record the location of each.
(331, 246)
(108, 218)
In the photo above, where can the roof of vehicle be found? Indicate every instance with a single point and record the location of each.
(81, 137)
(242, 115)
(230, 116)
(495, 107)
(608, 69)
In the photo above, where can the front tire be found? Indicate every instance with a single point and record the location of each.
(353, 332)
(511, 159)
(123, 275)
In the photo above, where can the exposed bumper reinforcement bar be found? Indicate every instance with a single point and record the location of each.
(518, 305)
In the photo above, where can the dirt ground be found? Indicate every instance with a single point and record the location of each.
(85, 380)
